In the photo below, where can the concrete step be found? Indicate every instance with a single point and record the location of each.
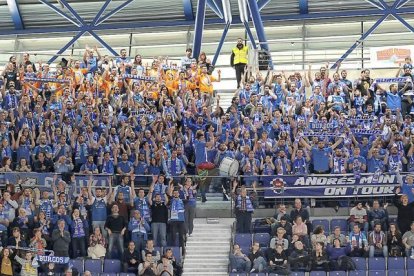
(204, 274)
(205, 238)
(207, 256)
(205, 264)
(215, 248)
(207, 268)
(207, 243)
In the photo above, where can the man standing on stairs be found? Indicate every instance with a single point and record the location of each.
(238, 60)
(177, 217)
(243, 208)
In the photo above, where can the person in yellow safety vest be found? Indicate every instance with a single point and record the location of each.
(238, 59)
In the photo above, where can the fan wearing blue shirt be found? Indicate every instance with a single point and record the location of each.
(320, 154)
(357, 163)
(394, 97)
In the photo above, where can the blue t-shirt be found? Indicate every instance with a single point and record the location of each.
(200, 152)
(408, 190)
(320, 158)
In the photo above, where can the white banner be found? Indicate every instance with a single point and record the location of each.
(389, 56)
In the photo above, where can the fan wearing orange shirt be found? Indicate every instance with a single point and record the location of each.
(110, 81)
(205, 81)
(182, 84)
(79, 74)
(170, 78)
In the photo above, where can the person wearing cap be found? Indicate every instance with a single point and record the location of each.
(239, 60)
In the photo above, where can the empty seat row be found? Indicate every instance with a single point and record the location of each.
(96, 266)
(245, 240)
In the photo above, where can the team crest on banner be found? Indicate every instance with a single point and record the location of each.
(278, 186)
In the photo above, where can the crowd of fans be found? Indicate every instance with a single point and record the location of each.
(103, 115)
(296, 246)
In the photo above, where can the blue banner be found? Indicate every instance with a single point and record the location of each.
(138, 77)
(45, 180)
(26, 79)
(315, 186)
(52, 259)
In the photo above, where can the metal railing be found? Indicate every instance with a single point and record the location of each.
(266, 190)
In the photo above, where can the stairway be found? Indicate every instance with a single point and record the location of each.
(208, 248)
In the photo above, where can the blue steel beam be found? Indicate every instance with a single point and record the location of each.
(113, 12)
(101, 11)
(199, 27)
(212, 5)
(72, 11)
(64, 48)
(405, 23)
(64, 15)
(401, 3)
(361, 39)
(221, 42)
(212, 21)
(103, 43)
(219, 5)
(188, 10)
(262, 3)
(375, 4)
(250, 34)
(15, 14)
(258, 24)
(384, 4)
(303, 7)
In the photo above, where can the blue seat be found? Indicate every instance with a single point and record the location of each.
(377, 273)
(78, 264)
(243, 240)
(176, 253)
(337, 273)
(397, 272)
(323, 222)
(377, 264)
(357, 273)
(108, 274)
(262, 238)
(93, 265)
(127, 274)
(257, 274)
(317, 273)
(297, 273)
(409, 263)
(396, 263)
(113, 266)
(237, 274)
(246, 249)
(342, 223)
(360, 263)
